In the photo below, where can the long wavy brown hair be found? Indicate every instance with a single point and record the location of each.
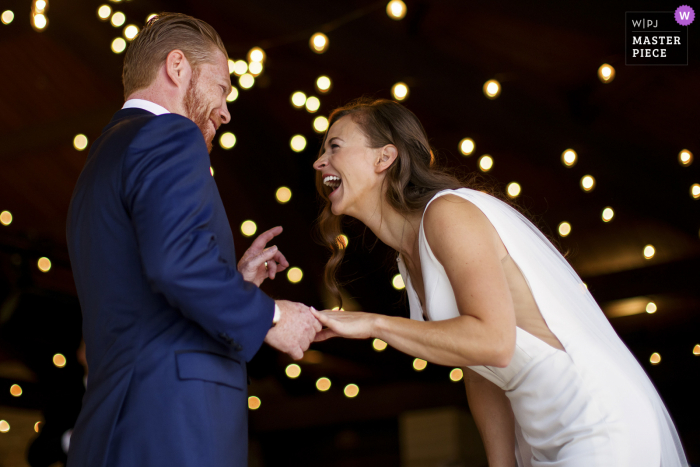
(411, 181)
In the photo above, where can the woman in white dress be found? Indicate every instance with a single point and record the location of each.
(548, 381)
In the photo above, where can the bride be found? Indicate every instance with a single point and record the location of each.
(548, 381)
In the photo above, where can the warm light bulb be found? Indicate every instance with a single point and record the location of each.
(4, 426)
(649, 251)
(59, 360)
(399, 91)
(227, 140)
(283, 195)
(655, 358)
(246, 81)
(80, 142)
(485, 163)
(255, 68)
(323, 384)
(248, 228)
(40, 6)
(456, 374)
(467, 146)
(118, 45)
(695, 190)
(564, 229)
(6, 218)
(320, 124)
(39, 21)
(587, 183)
(254, 403)
(16, 390)
(396, 9)
(7, 17)
(513, 189)
(419, 364)
(150, 17)
(44, 264)
(569, 157)
(131, 31)
(323, 84)
(685, 157)
(492, 89)
(351, 391)
(256, 54)
(397, 282)
(297, 143)
(651, 307)
(294, 275)
(240, 67)
(319, 43)
(608, 214)
(379, 345)
(211, 170)
(696, 350)
(118, 19)
(313, 104)
(293, 371)
(606, 73)
(342, 241)
(298, 99)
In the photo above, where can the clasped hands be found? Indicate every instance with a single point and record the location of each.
(299, 324)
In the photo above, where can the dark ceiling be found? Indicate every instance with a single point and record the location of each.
(65, 80)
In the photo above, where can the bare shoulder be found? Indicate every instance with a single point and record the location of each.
(451, 222)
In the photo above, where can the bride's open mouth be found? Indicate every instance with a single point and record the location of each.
(333, 182)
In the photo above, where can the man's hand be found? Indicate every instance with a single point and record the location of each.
(295, 330)
(253, 262)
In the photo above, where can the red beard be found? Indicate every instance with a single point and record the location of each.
(197, 111)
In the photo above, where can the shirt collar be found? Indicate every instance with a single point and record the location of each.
(145, 105)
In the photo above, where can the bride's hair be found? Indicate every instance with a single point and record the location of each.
(411, 181)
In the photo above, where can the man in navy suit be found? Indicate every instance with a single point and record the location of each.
(169, 321)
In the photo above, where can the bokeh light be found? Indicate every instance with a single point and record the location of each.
(419, 364)
(298, 99)
(323, 84)
(319, 43)
(294, 275)
(240, 67)
(227, 140)
(397, 282)
(351, 391)
(131, 31)
(564, 229)
(6, 218)
(256, 55)
(320, 124)
(649, 251)
(37, 426)
(255, 68)
(16, 390)
(342, 241)
(569, 157)
(118, 45)
(80, 142)
(655, 358)
(608, 214)
(606, 73)
(323, 384)
(695, 190)
(492, 89)
(400, 91)
(485, 163)
(467, 146)
(211, 170)
(379, 345)
(233, 95)
(293, 371)
(651, 308)
(150, 17)
(283, 195)
(246, 81)
(118, 19)
(44, 264)
(39, 22)
(40, 6)
(513, 189)
(4, 426)
(313, 104)
(587, 183)
(248, 228)
(59, 360)
(396, 9)
(297, 143)
(456, 374)
(254, 403)
(7, 17)
(685, 157)
(696, 350)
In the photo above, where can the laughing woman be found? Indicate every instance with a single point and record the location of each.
(548, 381)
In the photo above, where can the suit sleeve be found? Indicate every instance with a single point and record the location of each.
(172, 199)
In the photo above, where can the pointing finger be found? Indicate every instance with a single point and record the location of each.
(265, 237)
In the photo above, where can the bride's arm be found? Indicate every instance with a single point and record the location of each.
(468, 247)
(494, 418)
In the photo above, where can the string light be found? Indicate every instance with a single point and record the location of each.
(456, 375)
(297, 143)
(7, 17)
(40, 6)
(351, 391)
(399, 91)
(587, 183)
(397, 282)
(492, 89)
(379, 345)
(323, 384)
(254, 403)
(313, 104)
(695, 190)
(685, 157)
(564, 229)
(606, 73)
(608, 214)
(294, 275)
(37, 426)
(118, 19)
(319, 43)
(342, 241)
(233, 95)
(396, 9)
(467, 146)
(118, 45)
(485, 163)
(240, 67)
(131, 31)
(39, 22)
(298, 99)
(323, 84)
(569, 157)
(246, 81)
(227, 140)
(283, 195)
(4, 426)
(655, 358)
(248, 228)
(649, 251)
(320, 124)
(255, 68)
(59, 360)
(80, 142)
(513, 189)
(293, 371)
(419, 364)
(256, 55)
(5, 218)
(44, 264)
(696, 350)
(651, 308)
(16, 390)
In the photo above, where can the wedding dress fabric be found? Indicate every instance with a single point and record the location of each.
(590, 405)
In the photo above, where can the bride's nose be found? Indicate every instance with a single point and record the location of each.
(320, 163)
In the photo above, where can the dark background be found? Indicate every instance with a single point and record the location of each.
(65, 80)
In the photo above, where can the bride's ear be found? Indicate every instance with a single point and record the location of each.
(387, 156)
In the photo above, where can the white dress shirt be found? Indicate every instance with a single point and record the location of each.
(145, 105)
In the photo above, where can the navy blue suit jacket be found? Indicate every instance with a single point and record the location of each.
(168, 321)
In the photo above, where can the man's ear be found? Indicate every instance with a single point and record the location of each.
(387, 156)
(178, 68)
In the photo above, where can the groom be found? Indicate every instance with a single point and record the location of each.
(168, 320)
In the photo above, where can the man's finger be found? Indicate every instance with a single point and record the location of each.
(265, 237)
(325, 335)
(271, 269)
(297, 354)
(281, 260)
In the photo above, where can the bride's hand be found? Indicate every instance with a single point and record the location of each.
(349, 324)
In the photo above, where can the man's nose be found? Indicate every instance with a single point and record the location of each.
(225, 115)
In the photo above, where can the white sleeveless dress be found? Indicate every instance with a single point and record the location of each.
(590, 406)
